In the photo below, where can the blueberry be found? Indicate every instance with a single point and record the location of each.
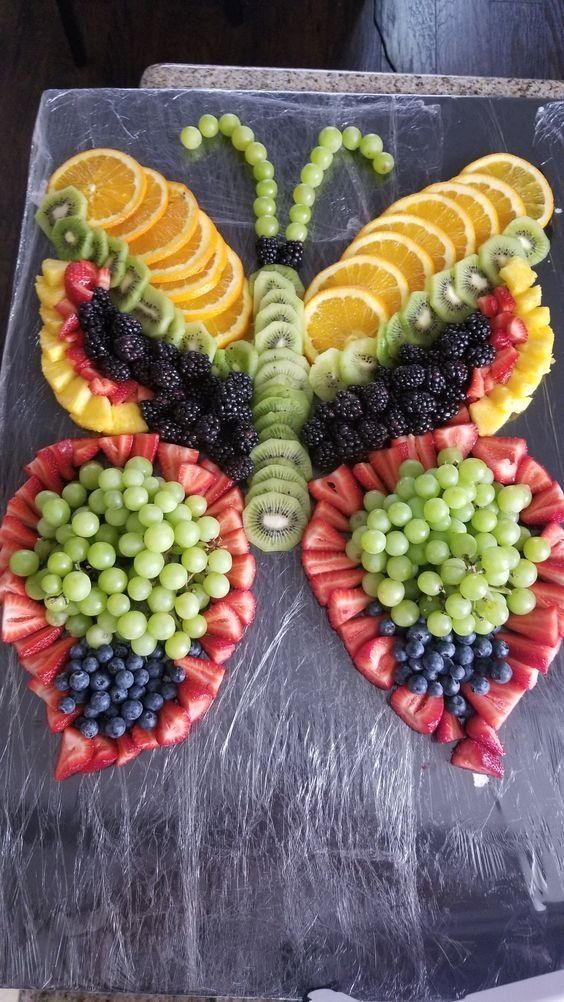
(433, 661)
(90, 664)
(417, 684)
(177, 674)
(457, 672)
(114, 665)
(430, 674)
(374, 609)
(112, 711)
(196, 649)
(89, 713)
(62, 682)
(456, 705)
(132, 709)
(141, 676)
(118, 695)
(115, 728)
(136, 692)
(88, 728)
(92, 652)
(147, 720)
(67, 705)
(418, 632)
(400, 652)
(79, 680)
(168, 690)
(463, 655)
(78, 650)
(501, 672)
(480, 685)
(74, 665)
(154, 700)
(402, 673)
(166, 678)
(158, 653)
(468, 640)
(100, 680)
(387, 628)
(125, 679)
(450, 686)
(468, 673)
(447, 665)
(444, 647)
(80, 696)
(153, 685)
(415, 649)
(482, 647)
(482, 666)
(154, 668)
(100, 701)
(134, 662)
(435, 689)
(415, 664)
(105, 653)
(500, 648)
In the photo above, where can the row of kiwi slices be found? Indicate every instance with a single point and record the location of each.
(62, 217)
(277, 504)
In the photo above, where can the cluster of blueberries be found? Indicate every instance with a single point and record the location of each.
(440, 666)
(117, 688)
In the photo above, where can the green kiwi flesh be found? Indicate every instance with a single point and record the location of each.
(497, 252)
(274, 522)
(278, 471)
(420, 323)
(59, 205)
(115, 261)
(133, 283)
(278, 312)
(470, 280)
(277, 448)
(100, 247)
(288, 487)
(531, 236)
(444, 299)
(72, 238)
(279, 334)
(155, 311)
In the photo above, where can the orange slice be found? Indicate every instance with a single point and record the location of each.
(364, 272)
(112, 182)
(149, 211)
(192, 257)
(221, 297)
(478, 206)
(335, 316)
(233, 323)
(203, 281)
(414, 263)
(508, 204)
(531, 186)
(444, 213)
(429, 237)
(173, 229)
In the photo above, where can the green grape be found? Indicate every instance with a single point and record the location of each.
(416, 530)
(159, 538)
(117, 517)
(186, 534)
(473, 471)
(483, 520)
(521, 601)
(56, 511)
(506, 532)
(296, 231)
(494, 560)
(263, 206)
(373, 540)
(255, 153)
(331, 138)
(463, 545)
(417, 506)
(269, 188)
(512, 555)
(216, 585)
(135, 498)
(499, 579)
(389, 500)
(74, 494)
(24, 562)
(267, 226)
(186, 605)
(351, 138)
(241, 136)
(353, 550)
(447, 475)
(484, 541)
(374, 562)
(191, 137)
(437, 551)
(484, 495)
(322, 157)
(264, 169)
(383, 163)
(57, 603)
(194, 560)
(42, 548)
(161, 599)
(227, 123)
(165, 501)
(148, 564)
(410, 468)
(435, 509)
(426, 486)
(464, 626)
(43, 497)
(524, 534)
(303, 194)
(197, 505)
(180, 514)
(117, 604)
(396, 543)
(144, 645)
(390, 593)
(312, 175)
(358, 534)
(405, 488)
(441, 527)
(85, 524)
(456, 526)
(358, 519)
(111, 479)
(524, 575)
(55, 618)
(134, 524)
(161, 625)
(140, 463)
(101, 556)
(406, 613)
(94, 603)
(132, 624)
(97, 502)
(493, 608)
(131, 477)
(76, 586)
(514, 498)
(536, 549)
(177, 646)
(398, 569)
(52, 584)
(370, 145)
(439, 624)
(453, 571)
(465, 512)
(59, 563)
(399, 513)
(482, 626)
(202, 596)
(151, 485)
(78, 625)
(416, 553)
(429, 583)
(113, 500)
(139, 589)
(452, 456)
(130, 544)
(455, 497)
(457, 606)
(370, 583)
(474, 587)
(33, 588)
(173, 576)
(107, 622)
(88, 475)
(76, 548)
(195, 627)
(107, 534)
(300, 214)
(45, 529)
(112, 580)
(380, 520)
(63, 533)
(220, 561)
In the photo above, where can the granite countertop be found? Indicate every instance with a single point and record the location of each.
(178, 75)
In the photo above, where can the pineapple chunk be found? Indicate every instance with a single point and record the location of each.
(54, 273)
(48, 295)
(520, 404)
(58, 374)
(486, 416)
(75, 395)
(537, 318)
(517, 275)
(51, 346)
(97, 415)
(503, 398)
(52, 320)
(523, 383)
(526, 301)
(127, 419)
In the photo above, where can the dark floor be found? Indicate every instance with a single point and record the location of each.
(119, 38)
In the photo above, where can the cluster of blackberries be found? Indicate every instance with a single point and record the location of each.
(423, 392)
(191, 407)
(270, 250)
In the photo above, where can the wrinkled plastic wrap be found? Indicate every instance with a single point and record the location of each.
(303, 834)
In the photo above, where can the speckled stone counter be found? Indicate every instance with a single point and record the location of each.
(176, 75)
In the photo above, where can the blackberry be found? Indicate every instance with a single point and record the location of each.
(150, 411)
(129, 347)
(480, 354)
(267, 250)
(142, 372)
(124, 324)
(164, 374)
(324, 412)
(291, 253)
(193, 365)
(113, 368)
(207, 429)
(230, 409)
(313, 432)
(422, 423)
(164, 351)
(397, 422)
(453, 342)
(374, 435)
(456, 372)
(96, 348)
(239, 385)
(411, 354)
(408, 377)
(326, 456)
(347, 406)
(445, 410)
(246, 439)
(479, 327)
(419, 402)
(164, 400)
(187, 413)
(349, 442)
(375, 397)
(170, 431)
(239, 468)
(434, 380)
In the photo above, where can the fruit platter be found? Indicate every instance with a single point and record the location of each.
(282, 541)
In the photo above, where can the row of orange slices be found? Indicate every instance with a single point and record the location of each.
(163, 226)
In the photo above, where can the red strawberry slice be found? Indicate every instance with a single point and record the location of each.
(21, 617)
(223, 622)
(323, 584)
(488, 305)
(145, 740)
(217, 649)
(77, 355)
(375, 660)
(17, 508)
(345, 603)
(126, 392)
(500, 323)
(339, 489)
(517, 331)
(426, 452)
(145, 444)
(194, 479)
(504, 298)
(104, 278)
(84, 449)
(173, 725)
(449, 729)
(243, 571)
(316, 562)
(57, 721)
(386, 462)
(116, 448)
(65, 308)
(195, 699)
(500, 339)
(44, 665)
(69, 329)
(530, 652)
(554, 533)
(104, 754)
(47, 693)
(548, 594)
(231, 499)
(75, 754)
(461, 417)
(45, 467)
(366, 476)
(12, 529)
(552, 570)
(502, 455)
(205, 674)
(38, 641)
(407, 447)
(80, 280)
(458, 436)
(320, 535)
(62, 455)
(171, 457)
(245, 605)
(221, 485)
(470, 755)
(496, 706)
(479, 730)
(236, 542)
(325, 512)
(489, 381)
(504, 363)
(358, 631)
(546, 506)
(421, 713)
(540, 625)
(127, 750)
(229, 520)
(533, 474)
(477, 388)
(523, 676)
(11, 583)
(102, 387)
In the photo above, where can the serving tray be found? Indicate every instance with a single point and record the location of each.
(302, 835)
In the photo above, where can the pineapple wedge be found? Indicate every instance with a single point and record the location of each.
(53, 272)
(517, 276)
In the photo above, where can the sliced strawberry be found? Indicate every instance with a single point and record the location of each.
(195, 699)
(320, 535)
(223, 622)
(426, 452)
(488, 305)
(504, 363)
(21, 617)
(554, 532)
(57, 721)
(323, 584)
(546, 506)
(477, 387)
(231, 499)
(540, 625)
(69, 328)
(461, 417)
(345, 603)
(375, 660)
(194, 479)
(502, 455)
(245, 605)
(145, 444)
(500, 339)
(517, 331)
(17, 508)
(548, 595)
(366, 476)
(221, 484)
(386, 462)
(47, 693)
(145, 740)
(127, 750)
(326, 512)
(482, 732)
(470, 755)
(206, 674)
(533, 474)
(552, 570)
(39, 641)
(65, 308)
(500, 324)
(80, 281)
(116, 448)
(45, 664)
(449, 729)
(28, 493)
(316, 562)
(77, 355)
(126, 392)
(358, 631)
(236, 542)
(421, 713)
(173, 725)
(243, 571)
(499, 702)
(62, 453)
(11, 583)
(104, 278)
(339, 489)
(217, 649)
(102, 387)
(104, 754)
(171, 457)
(14, 530)
(530, 652)
(504, 298)
(490, 382)
(45, 467)
(229, 520)
(406, 446)
(523, 676)
(84, 449)
(75, 754)
(458, 436)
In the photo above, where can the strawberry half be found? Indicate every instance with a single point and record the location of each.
(339, 489)
(421, 713)
(325, 512)
(449, 729)
(11, 583)
(220, 485)
(173, 725)
(546, 506)
(406, 446)
(195, 699)
(345, 603)
(21, 617)
(127, 750)
(533, 474)
(116, 448)
(517, 331)
(75, 754)
(530, 652)
(243, 571)
(223, 622)
(540, 625)
(57, 721)
(477, 388)
(83, 450)
(375, 660)
(316, 562)
(81, 278)
(496, 706)
(321, 535)
(470, 755)
(171, 457)
(236, 542)
(194, 479)
(38, 641)
(426, 452)
(217, 649)
(233, 498)
(488, 305)
(145, 740)
(70, 329)
(145, 444)
(229, 520)
(18, 508)
(244, 604)
(458, 436)
(205, 674)
(502, 455)
(358, 631)
(104, 754)
(386, 463)
(367, 477)
(44, 665)
(479, 730)
(523, 676)
(323, 584)
(504, 363)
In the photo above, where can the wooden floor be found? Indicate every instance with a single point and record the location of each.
(114, 40)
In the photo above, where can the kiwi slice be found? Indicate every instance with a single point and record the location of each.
(285, 371)
(155, 312)
(358, 361)
(395, 335)
(279, 335)
(100, 247)
(286, 415)
(115, 261)
(177, 329)
(496, 252)
(195, 337)
(72, 238)
(278, 448)
(278, 430)
(242, 357)
(279, 296)
(280, 269)
(420, 323)
(278, 471)
(298, 406)
(444, 299)
(288, 487)
(59, 205)
(274, 522)
(382, 351)
(278, 312)
(470, 281)
(325, 374)
(129, 290)
(269, 281)
(282, 354)
(220, 365)
(280, 390)
(531, 236)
